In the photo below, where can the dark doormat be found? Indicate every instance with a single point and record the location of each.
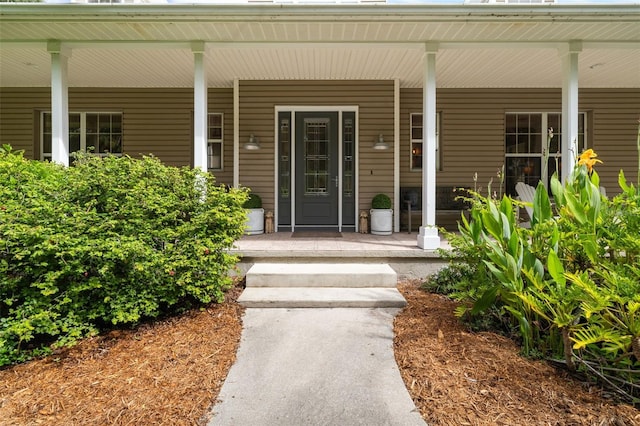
(316, 234)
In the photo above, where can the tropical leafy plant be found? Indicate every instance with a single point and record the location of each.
(571, 282)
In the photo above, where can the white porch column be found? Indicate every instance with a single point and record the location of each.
(236, 133)
(569, 142)
(428, 238)
(396, 155)
(199, 106)
(59, 103)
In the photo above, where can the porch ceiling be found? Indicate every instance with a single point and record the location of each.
(502, 46)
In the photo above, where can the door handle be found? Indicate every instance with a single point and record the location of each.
(335, 180)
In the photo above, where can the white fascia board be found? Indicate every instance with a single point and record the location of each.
(316, 13)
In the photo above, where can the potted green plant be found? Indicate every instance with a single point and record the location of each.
(381, 215)
(255, 215)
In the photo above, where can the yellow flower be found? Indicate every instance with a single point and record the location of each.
(588, 158)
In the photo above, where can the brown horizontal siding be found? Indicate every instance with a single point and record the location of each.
(472, 130)
(614, 117)
(258, 100)
(159, 121)
(155, 121)
(18, 109)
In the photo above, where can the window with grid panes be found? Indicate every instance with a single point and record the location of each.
(96, 132)
(415, 135)
(526, 135)
(215, 143)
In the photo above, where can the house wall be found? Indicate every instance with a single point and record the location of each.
(472, 126)
(472, 130)
(374, 99)
(154, 121)
(18, 117)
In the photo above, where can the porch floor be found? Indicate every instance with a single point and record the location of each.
(351, 244)
(399, 250)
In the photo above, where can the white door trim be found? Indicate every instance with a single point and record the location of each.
(293, 109)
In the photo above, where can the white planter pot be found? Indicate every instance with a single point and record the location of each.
(381, 221)
(255, 221)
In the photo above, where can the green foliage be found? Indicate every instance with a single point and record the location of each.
(571, 283)
(455, 281)
(448, 279)
(107, 242)
(253, 202)
(381, 201)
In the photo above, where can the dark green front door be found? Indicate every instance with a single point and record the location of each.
(316, 171)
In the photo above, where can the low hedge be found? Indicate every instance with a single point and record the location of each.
(110, 241)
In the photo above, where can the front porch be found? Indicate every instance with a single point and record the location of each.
(399, 250)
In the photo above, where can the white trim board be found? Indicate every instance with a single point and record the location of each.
(293, 109)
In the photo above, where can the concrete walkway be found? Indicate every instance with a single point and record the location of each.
(315, 367)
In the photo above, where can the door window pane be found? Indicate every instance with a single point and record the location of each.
(316, 156)
(348, 143)
(285, 153)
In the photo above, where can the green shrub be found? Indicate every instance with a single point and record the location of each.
(381, 201)
(571, 283)
(253, 202)
(448, 278)
(107, 242)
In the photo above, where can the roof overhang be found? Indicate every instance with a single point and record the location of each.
(478, 45)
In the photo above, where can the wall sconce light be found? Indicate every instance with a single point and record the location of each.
(380, 143)
(253, 144)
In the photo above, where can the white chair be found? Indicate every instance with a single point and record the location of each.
(526, 194)
(603, 191)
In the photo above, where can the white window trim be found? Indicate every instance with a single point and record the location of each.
(419, 141)
(211, 141)
(83, 133)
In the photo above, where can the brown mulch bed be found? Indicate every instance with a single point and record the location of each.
(456, 377)
(170, 372)
(164, 373)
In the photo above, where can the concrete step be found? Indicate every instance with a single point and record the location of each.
(335, 297)
(321, 275)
